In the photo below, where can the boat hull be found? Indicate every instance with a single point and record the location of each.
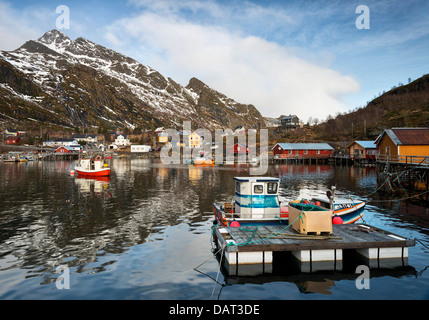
(352, 214)
(93, 173)
(204, 163)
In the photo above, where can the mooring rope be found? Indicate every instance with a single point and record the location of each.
(225, 245)
(218, 270)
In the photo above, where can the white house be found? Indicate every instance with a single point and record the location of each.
(60, 143)
(87, 137)
(122, 140)
(140, 149)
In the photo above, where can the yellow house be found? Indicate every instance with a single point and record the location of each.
(163, 137)
(404, 144)
(195, 140)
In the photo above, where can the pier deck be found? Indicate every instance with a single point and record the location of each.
(257, 246)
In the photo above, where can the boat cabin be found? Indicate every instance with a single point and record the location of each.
(91, 164)
(257, 197)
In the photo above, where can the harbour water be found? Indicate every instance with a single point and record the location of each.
(142, 233)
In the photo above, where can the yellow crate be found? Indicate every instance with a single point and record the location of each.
(310, 222)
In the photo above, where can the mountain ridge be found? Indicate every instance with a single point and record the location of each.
(77, 83)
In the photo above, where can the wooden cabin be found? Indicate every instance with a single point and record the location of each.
(13, 140)
(64, 149)
(403, 144)
(239, 149)
(290, 122)
(362, 150)
(302, 151)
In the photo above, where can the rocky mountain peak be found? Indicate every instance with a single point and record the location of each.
(74, 83)
(55, 39)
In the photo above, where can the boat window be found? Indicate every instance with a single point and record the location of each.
(258, 188)
(237, 187)
(272, 188)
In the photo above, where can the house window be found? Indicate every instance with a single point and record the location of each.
(290, 151)
(318, 152)
(237, 187)
(305, 151)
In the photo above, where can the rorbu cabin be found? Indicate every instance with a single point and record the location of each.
(257, 197)
(302, 151)
(362, 150)
(404, 145)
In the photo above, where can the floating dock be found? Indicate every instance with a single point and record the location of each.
(251, 250)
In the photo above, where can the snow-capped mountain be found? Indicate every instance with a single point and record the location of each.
(79, 83)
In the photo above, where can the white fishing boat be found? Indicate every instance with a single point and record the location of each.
(93, 167)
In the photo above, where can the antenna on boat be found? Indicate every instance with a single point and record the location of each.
(331, 196)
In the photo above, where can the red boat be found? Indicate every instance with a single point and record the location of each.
(93, 168)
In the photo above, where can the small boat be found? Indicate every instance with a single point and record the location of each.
(17, 159)
(256, 203)
(204, 162)
(348, 210)
(96, 167)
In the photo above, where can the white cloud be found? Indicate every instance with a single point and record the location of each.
(17, 27)
(249, 69)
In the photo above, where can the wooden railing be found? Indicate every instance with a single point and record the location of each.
(406, 160)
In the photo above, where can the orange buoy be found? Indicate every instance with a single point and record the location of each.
(337, 220)
(72, 173)
(234, 224)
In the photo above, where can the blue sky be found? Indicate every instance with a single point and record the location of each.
(285, 57)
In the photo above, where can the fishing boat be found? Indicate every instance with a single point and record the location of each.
(93, 167)
(348, 210)
(256, 202)
(204, 162)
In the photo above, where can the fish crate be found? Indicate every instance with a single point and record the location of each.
(314, 221)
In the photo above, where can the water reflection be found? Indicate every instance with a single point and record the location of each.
(318, 282)
(97, 185)
(152, 222)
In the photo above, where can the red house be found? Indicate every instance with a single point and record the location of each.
(302, 151)
(239, 149)
(13, 140)
(64, 149)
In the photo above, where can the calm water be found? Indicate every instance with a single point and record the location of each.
(141, 234)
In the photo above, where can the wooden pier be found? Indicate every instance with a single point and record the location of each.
(257, 247)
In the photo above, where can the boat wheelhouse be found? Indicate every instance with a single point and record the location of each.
(256, 202)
